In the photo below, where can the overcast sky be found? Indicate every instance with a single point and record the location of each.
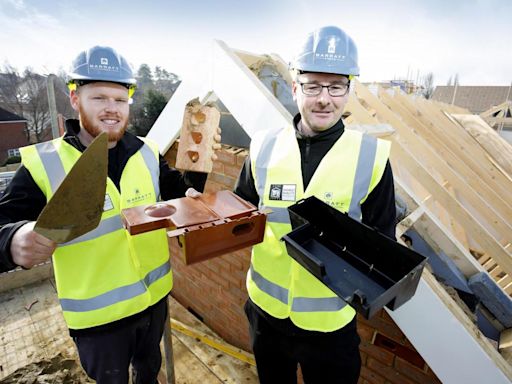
(396, 39)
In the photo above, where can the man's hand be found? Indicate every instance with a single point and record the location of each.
(29, 248)
(216, 144)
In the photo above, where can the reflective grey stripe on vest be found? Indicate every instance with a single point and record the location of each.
(262, 160)
(153, 166)
(278, 215)
(105, 226)
(300, 304)
(52, 163)
(363, 177)
(317, 304)
(116, 295)
(269, 287)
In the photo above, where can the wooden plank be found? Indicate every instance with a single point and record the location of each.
(188, 369)
(409, 221)
(506, 340)
(375, 130)
(465, 147)
(438, 237)
(460, 213)
(499, 149)
(213, 342)
(21, 277)
(460, 176)
(225, 367)
(473, 227)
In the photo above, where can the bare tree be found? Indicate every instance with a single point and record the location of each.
(35, 97)
(10, 97)
(428, 85)
(26, 96)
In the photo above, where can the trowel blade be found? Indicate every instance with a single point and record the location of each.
(77, 205)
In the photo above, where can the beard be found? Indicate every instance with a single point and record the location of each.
(94, 130)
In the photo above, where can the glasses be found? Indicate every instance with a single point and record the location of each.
(334, 90)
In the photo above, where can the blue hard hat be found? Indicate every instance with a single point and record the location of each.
(101, 64)
(328, 50)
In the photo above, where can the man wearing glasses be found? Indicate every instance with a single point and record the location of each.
(294, 319)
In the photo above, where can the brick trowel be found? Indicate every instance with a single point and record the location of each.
(77, 205)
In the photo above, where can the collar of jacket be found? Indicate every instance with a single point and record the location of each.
(333, 133)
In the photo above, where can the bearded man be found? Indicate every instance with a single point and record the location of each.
(112, 286)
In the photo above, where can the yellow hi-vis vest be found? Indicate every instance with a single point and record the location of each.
(106, 274)
(344, 178)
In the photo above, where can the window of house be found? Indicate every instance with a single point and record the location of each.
(13, 152)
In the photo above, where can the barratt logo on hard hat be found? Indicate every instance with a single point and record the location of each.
(103, 66)
(331, 46)
(330, 56)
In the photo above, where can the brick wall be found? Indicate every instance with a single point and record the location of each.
(215, 291)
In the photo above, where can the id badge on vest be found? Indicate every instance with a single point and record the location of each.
(283, 192)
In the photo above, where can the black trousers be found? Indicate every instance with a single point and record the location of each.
(324, 358)
(106, 356)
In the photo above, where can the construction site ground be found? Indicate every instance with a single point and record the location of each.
(35, 346)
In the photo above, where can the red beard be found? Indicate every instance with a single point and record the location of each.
(95, 130)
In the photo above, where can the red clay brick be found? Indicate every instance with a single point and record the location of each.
(390, 330)
(239, 294)
(227, 155)
(212, 266)
(233, 280)
(385, 357)
(370, 377)
(365, 332)
(235, 262)
(232, 170)
(389, 373)
(212, 186)
(364, 356)
(241, 156)
(384, 315)
(225, 181)
(420, 376)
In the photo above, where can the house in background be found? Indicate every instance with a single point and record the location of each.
(12, 134)
(492, 103)
(476, 99)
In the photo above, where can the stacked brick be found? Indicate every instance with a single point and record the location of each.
(215, 292)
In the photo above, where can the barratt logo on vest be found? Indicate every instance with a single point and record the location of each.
(283, 192)
(329, 199)
(138, 196)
